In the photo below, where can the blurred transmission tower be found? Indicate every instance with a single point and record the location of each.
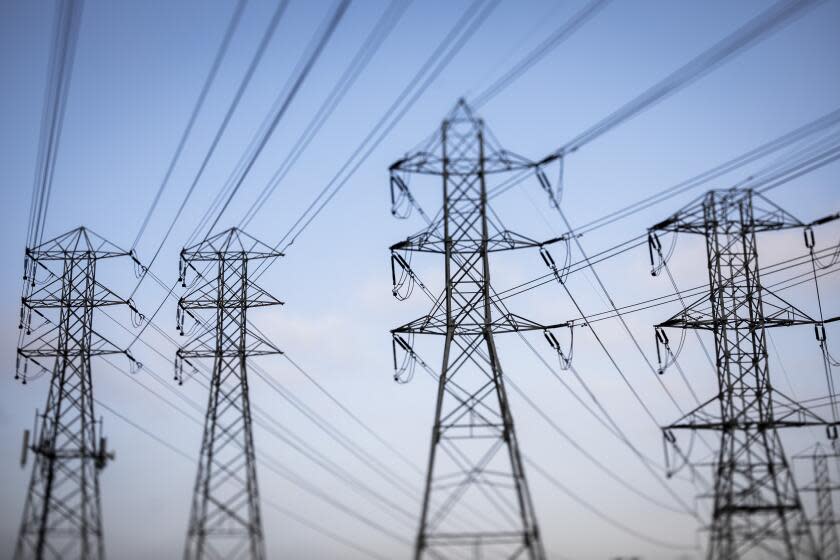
(62, 516)
(757, 510)
(225, 518)
(828, 542)
(475, 469)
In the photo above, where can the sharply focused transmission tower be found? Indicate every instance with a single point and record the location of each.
(475, 466)
(62, 516)
(757, 511)
(225, 516)
(828, 542)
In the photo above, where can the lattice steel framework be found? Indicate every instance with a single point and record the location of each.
(757, 511)
(62, 517)
(225, 518)
(828, 542)
(474, 460)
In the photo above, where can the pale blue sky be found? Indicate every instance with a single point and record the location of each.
(139, 68)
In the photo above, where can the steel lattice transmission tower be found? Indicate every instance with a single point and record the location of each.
(757, 511)
(225, 517)
(474, 461)
(828, 542)
(62, 517)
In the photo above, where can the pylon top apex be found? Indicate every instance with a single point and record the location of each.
(229, 243)
(78, 241)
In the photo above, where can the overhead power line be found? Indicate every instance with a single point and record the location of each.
(748, 35)
(466, 26)
(566, 30)
(315, 51)
(205, 89)
(286, 512)
(372, 44)
(59, 73)
(268, 34)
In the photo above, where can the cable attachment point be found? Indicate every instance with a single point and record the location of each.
(822, 340)
(654, 246)
(183, 266)
(134, 365)
(179, 370)
(555, 195)
(660, 260)
(404, 280)
(564, 358)
(30, 267)
(139, 268)
(22, 368)
(179, 319)
(667, 358)
(17, 366)
(137, 318)
(562, 273)
(831, 431)
(404, 368)
(402, 200)
(810, 240)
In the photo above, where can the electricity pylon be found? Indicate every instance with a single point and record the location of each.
(225, 517)
(474, 460)
(62, 516)
(757, 510)
(828, 542)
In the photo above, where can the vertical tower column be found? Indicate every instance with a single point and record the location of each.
(225, 517)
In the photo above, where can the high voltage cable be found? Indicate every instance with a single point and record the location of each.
(818, 125)
(59, 73)
(314, 54)
(346, 442)
(309, 413)
(700, 290)
(461, 32)
(211, 76)
(536, 407)
(271, 463)
(312, 525)
(566, 30)
(317, 49)
(746, 36)
(261, 418)
(618, 430)
(597, 512)
(805, 167)
(265, 379)
(803, 162)
(438, 61)
(615, 310)
(396, 9)
(246, 80)
(354, 417)
(592, 459)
